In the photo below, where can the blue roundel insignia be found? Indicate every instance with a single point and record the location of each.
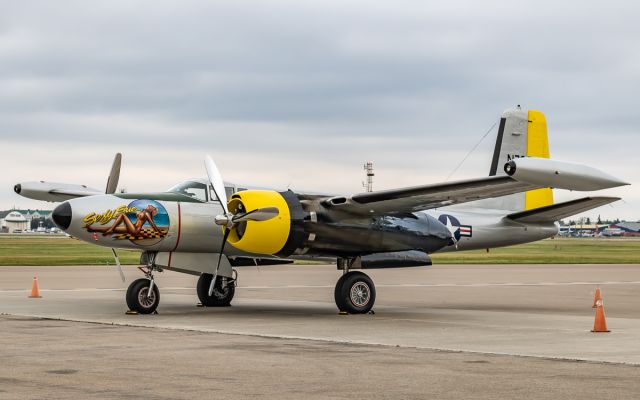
(455, 227)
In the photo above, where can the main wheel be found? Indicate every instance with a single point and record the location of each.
(355, 293)
(139, 299)
(220, 297)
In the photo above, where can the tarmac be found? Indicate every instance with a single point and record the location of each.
(448, 331)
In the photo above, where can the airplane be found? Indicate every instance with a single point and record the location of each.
(186, 228)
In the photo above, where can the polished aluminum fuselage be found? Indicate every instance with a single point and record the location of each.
(191, 229)
(492, 228)
(191, 226)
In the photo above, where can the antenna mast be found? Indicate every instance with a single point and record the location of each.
(368, 167)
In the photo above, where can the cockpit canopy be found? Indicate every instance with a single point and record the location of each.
(200, 189)
(194, 189)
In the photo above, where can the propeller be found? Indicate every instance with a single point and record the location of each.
(114, 175)
(229, 220)
(112, 186)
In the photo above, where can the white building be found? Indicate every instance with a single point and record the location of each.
(21, 219)
(15, 221)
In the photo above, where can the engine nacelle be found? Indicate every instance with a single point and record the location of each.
(304, 228)
(562, 175)
(53, 191)
(279, 236)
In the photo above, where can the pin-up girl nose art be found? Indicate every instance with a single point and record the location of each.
(146, 223)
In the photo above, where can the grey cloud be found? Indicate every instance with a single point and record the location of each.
(409, 84)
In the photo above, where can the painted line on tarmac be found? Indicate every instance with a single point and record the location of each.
(391, 285)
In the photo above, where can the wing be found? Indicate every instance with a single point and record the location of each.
(556, 212)
(522, 175)
(429, 196)
(52, 191)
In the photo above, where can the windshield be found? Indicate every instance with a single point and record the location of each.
(193, 189)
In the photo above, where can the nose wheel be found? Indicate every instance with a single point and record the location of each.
(142, 296)
(355, 293)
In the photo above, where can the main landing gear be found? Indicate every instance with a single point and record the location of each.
(355, 293)
(223, 291)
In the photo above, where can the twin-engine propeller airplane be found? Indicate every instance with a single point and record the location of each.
(186, 228)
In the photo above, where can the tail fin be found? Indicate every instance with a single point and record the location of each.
(522, 133)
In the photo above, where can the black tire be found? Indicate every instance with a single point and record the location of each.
(355, 293)
(220, 297)
(136, 296)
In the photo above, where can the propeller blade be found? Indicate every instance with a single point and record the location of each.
(227, 231)
(114, 175)
(216, 182)
(115, 255)
(259, 214)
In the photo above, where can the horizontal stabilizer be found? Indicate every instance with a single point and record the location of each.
(556, 212)
(560, 175)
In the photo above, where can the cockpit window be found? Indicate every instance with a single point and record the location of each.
(229, 191)
(212, 194)
(196, 190)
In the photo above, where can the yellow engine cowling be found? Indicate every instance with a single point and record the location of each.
(275, 236)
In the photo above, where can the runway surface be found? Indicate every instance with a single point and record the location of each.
(443, 331)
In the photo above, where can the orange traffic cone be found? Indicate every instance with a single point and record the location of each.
(600, 324)
(35, 289)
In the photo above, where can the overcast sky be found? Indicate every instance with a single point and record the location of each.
(302, 93)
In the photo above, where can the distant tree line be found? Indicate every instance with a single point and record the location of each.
(587, 221)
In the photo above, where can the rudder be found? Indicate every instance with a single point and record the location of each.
(537, 146)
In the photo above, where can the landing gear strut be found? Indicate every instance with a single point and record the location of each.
(355, 293)
(223, 291)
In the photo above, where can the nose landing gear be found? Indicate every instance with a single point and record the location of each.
(143, 295)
